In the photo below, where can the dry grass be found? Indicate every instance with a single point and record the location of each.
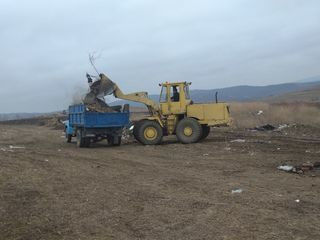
(246, 115)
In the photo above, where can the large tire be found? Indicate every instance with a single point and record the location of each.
(69, 137)
(114, 140)
(148, 132)
(188, 131)
(205, 131)
(81, 141)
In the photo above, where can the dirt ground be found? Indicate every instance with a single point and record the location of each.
(50, 189)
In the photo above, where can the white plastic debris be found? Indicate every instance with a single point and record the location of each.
(16, 147)
(259, 112)
(206, 154)
(238, 140)
(227, 148)
(278, 148)
(297, 200)
(46, 160)
(282, 126)
(286, 168)
(238, 190)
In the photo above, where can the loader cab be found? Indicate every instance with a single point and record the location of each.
(174, 98)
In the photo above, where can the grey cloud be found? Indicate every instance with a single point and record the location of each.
(45, 45)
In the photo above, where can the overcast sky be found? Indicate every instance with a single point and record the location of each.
(45, 45)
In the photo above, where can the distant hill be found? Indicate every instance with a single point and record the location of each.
(310, 79)
(310, 96)
(14, 116)
(240, 93)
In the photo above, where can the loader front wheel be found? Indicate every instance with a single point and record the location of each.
(149, 132)
(188, 131)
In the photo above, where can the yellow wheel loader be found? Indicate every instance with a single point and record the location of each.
(175, 114)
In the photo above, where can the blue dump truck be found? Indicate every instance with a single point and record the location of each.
(89, 127)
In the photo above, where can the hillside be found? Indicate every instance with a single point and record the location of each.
(241, 93)
(309, 95)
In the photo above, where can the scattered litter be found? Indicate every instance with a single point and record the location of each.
(227, 148)
(59, 150)
(278, 149)
(206, 154)
(308, 151)
(282, 126)
(6, 150)
(259, 112)
(238, 190)
(297, 200)
(303, 168)
(238, 140)
(267, 127)
(46, 160)
(16, 147)
(286, 168)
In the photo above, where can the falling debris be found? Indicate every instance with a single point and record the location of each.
(238, 140)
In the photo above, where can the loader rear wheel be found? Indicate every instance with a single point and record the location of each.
(149, 132)
(188, 131)
(205, 131)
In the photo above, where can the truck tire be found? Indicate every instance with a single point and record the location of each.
(82, 141)
(69, 138)
(148, 132)
(87, 142)
(188, 131)
(114, 140)
(205, 131)
(135, 130)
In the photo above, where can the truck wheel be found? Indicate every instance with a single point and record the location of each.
(205, 131)
(114, 140)
(149, 132)
(135, 130)
(87, 142)
(69, 138)
(81, 141)
(189, 130)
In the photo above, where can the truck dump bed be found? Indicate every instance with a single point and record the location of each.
(80, 117)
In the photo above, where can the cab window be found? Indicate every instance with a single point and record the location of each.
(174, 94)
(163, 94)
(186, 90)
